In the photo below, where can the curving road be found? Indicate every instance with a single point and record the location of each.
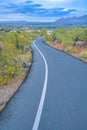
(54, 95)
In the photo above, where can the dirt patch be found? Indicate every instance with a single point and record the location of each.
(74, 50)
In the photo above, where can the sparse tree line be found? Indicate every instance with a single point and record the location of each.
(73, 40)
(67, 36)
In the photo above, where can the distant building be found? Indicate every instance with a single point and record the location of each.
(49, 32)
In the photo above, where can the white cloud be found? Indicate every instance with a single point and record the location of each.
(49, 9)
(65, 9)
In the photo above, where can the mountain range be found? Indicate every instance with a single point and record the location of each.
(73, 20)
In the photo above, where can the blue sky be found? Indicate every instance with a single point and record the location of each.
(41, 10)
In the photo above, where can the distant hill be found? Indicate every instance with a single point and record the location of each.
(73, 20)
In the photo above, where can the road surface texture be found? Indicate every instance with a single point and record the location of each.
(54, 95)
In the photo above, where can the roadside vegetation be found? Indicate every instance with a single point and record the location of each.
(15, 54)
(72, 40)
(15, 50)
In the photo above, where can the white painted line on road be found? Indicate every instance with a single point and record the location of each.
(41, 104)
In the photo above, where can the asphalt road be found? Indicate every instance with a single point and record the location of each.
(54, 95)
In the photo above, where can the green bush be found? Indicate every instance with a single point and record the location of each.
(83, 55)
(15, 47)
(67, 36)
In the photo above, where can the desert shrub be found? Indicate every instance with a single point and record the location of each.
(67, 36)
(14, 46)
(83, 55)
